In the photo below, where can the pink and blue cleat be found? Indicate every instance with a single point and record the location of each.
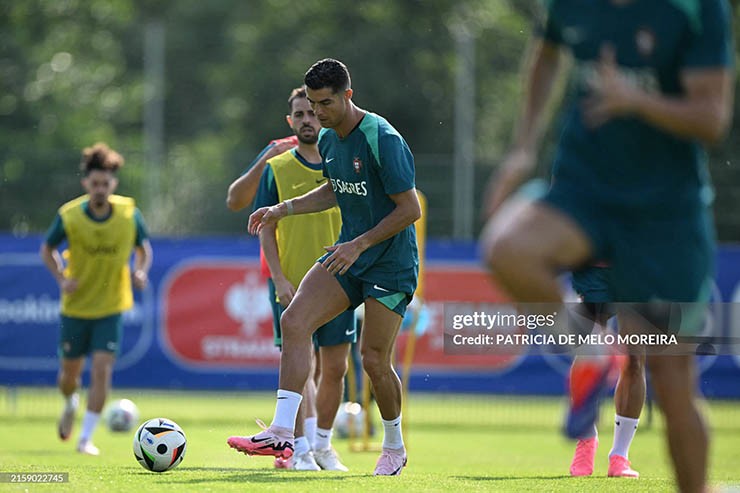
(619, 467)
(583, 460)
(391, 462)
(273, 441)
(588, 381)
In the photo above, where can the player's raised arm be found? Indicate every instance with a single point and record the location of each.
(242, 191)
(316, 200)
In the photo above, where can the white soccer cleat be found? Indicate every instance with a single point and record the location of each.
(87, 447)
(305, 462)
(328, 460)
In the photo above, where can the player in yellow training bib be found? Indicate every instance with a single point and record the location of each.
(101, 231)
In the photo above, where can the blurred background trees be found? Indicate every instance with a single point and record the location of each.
(189, 91)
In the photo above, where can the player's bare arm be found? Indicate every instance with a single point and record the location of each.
(407, 211)
(242, 191)
(317, 200)
(703, 112)
(142, 263)
(283, 287)
(53, 262)
(519, 162)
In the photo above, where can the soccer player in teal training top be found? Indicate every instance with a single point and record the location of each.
(370, 173)
(651, 84)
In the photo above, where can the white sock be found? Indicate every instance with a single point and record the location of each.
(301, 445)
(286, 409)
(392, 437)
(323, 439)
(624, 432)
(309, 426)
(71, 401)
(89, 422)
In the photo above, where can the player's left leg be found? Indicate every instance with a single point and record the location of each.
(629, 397)
(379, 336)
(673, 378)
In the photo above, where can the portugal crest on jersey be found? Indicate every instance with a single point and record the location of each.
(357, 165)
(645, 40)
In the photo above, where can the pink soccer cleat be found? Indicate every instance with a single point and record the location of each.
(273, 441)
(391, 462)
(619, 467)
(583, 460)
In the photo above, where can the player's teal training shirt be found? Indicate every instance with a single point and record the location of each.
(364, 168)
(628, 162)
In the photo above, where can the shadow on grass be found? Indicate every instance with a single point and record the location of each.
(247, 476)
(46, 452)
(510, 478)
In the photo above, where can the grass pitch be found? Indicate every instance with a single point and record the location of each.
(455, 443)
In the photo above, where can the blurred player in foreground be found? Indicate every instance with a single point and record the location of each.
(370, 173)
(652, 83)
(101, 230)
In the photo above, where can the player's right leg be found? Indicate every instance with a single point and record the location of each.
(319, 299)
(68, 381)
(527, 245)
(74, 344)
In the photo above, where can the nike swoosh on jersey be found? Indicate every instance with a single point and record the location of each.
(329, 160)
(298, 185)
(350, 332)
(380, 289)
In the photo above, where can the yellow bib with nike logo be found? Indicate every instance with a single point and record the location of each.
(301, 239)
(98, 258)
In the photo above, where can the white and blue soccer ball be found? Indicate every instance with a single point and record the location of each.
(350, 420)
(121, 415)
(159, 445)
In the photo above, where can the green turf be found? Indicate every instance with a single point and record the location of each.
(456, 443)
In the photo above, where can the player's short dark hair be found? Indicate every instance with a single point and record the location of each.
(328, 73)
(298, 92)
(100, 157)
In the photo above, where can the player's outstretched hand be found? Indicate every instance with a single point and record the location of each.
(263, 216)
(611, 95)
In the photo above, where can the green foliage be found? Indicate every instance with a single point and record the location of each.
(72, 73)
